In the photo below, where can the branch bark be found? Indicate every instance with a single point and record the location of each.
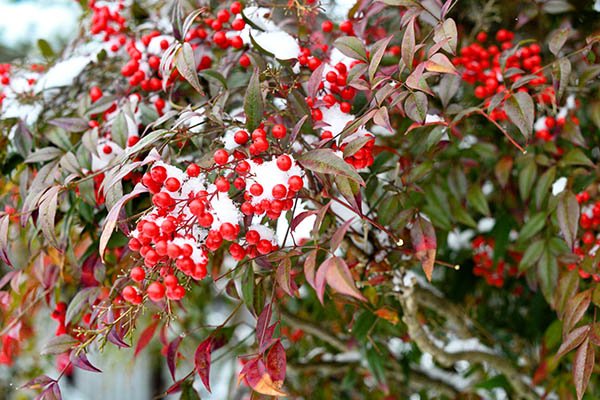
(409, 303)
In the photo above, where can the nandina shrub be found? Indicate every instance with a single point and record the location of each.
(401, 203)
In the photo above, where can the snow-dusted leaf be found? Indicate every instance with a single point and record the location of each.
(521, 111)
(567, 213)
(185, 64)
(325, 161)
(202, 361)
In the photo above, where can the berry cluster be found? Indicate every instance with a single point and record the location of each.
(483, 257)
(194, 215)
(482, 66)
(589, 242)
(58, 314)
(107, 20)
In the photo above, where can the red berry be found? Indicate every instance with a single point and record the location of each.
(284, 162)
(172, 184)
(241, 137)
(95, 93)
(327, 26)
(256, 189)
(222, 184)
(279, 131)
(238, 24)
(193, 170)
(481, 37)
(295, 183)
(156, 291)
(221, 156)
(236, 7)
(158, 173)
(137, 274)
(245, 61)
(279, 191)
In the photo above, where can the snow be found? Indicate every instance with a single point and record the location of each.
(25, 22)
(486, 224)
(467, 142)
(432, 118)
(269, 37)
(63, 73)
(559, 186)
(458, 240)
(265, 232)
(268, 175)
(303, 229)
(223, 210)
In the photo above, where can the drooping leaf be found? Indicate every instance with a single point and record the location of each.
(424, 242)
(47, 213)
(172, 351)
(352, 47)
(81, 361)
(567, 213)
(575, 310)
(185, 64)
(276, 364)
(573, 340)
(259, 379)
(338, 276)
(59, 344)
(325, 161)
(408, 45)
(521, 111)
(145, 337)
(440, 63)
(309, 267)
(253, 102)
(416, 106)
(202, 361)
(583, 364)
(558, 40)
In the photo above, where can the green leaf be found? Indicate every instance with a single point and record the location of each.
(521, 111)
(47, 213)
(253, 102)
(576, 157)
(527, 178)
(352, 47)
(532, 255)
(567, 213)
(558, 40)
(447, 32)
(119, 130)
(408, 44)
(248, 285)
(45, 49)
(542, 189)
(186, 65)
(415, 106)
(325, 161)
(377, 51)
(533, 225)
(547, 272)
(476, 198)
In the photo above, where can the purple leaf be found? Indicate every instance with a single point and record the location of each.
(172, 354)
(262, 323)
(81, 361)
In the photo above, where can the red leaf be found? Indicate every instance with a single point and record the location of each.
(424, 243)
(81, 361)
(309, 267)
(320, 279)
(573, 339)
(338, 276)
(276, 363)
(145, 338)
(202, 361)
(270, 341)
(284, 279)
(262, 324)
(259, 379)
(583, 363)
(575, 310)
(172, 354)
(339, 234)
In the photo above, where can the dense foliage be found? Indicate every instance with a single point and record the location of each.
(402, 202)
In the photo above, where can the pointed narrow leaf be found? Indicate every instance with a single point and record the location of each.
(185, 64)
(172, 351)
(575, 310)
(424, 243)
(202, 361)
(325, 161)
(309, 267)
(253, 102)
(352, 47)
(145, 338)
(521, 111)
(262, 323)
(573, 339)
(47, 213)
(276, 364)
(4, 225)
(408, 44)
(81, 361)
(583, 364)
(567, 213)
